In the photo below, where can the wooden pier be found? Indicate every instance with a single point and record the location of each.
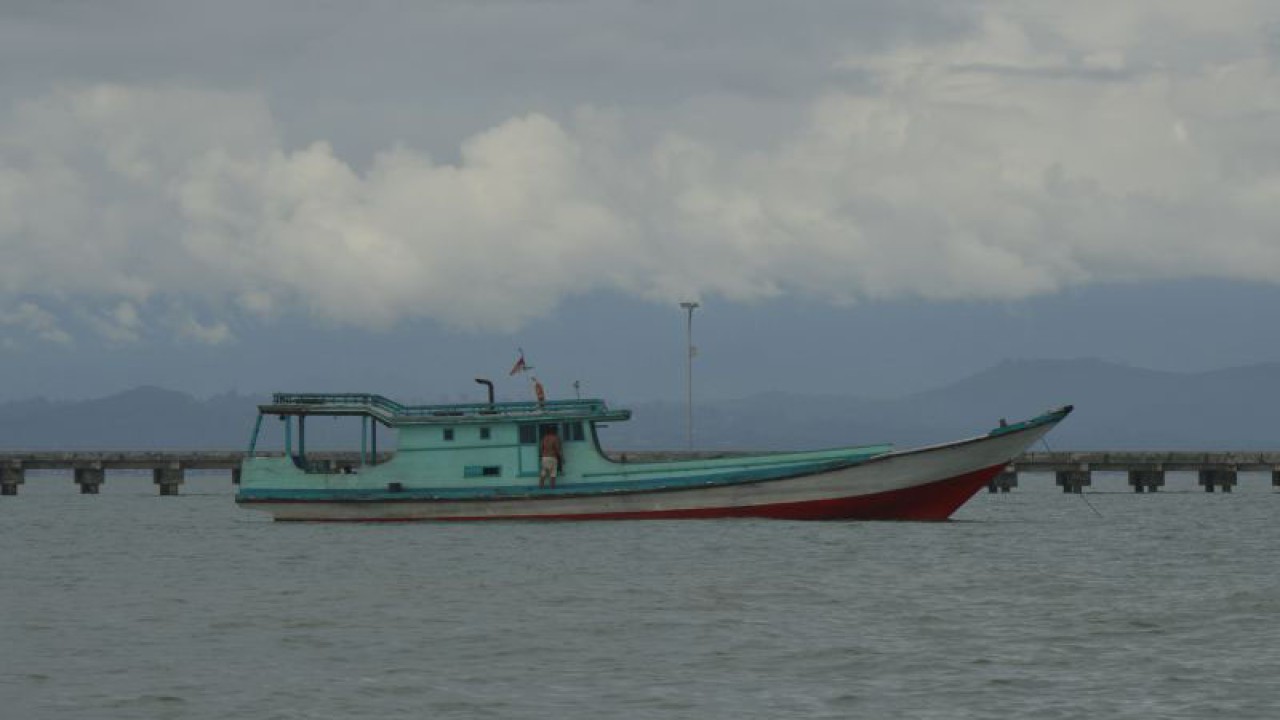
(168, 467)
(1072, 470)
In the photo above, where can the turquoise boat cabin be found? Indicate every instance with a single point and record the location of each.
(481, 450)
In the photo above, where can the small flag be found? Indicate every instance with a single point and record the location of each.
(520, 365)
(539, 392)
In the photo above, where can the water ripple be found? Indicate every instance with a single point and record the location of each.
(1029, 605)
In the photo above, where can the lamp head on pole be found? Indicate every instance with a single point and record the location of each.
(689, 305)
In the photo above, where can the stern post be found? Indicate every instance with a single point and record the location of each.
(364, 439)
(253, 439)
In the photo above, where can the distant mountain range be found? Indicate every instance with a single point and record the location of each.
(1117, 407)
(143, 418)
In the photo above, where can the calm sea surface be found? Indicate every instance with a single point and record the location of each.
(129, 605)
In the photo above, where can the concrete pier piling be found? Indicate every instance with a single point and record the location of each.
(1218, 478)
(1073, 481)
(1146, 480)
(168, 479)
(11, 476)
(90, 479)
(1004, 482)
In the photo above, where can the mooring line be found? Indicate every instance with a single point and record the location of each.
(1045, 442)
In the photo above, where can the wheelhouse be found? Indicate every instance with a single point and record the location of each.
(473, 440)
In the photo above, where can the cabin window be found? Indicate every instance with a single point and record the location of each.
(482, 471)
(529, 434)
(484, 433)
(571, 432)
(448, 434)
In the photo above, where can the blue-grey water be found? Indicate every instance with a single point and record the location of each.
(1031, 604)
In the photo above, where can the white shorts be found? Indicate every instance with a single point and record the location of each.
(550, 466)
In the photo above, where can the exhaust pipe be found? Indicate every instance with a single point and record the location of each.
(489, 384)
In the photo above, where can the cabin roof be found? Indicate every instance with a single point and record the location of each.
(391, 412)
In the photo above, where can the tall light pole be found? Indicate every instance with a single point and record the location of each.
(689, 307)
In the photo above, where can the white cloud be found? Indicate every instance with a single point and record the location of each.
(215, 333)
(1051, 147)
(35, 320)
(120, 324)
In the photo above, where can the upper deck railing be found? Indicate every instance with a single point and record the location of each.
(378, 405)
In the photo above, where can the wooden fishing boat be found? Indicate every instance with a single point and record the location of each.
(481, 462)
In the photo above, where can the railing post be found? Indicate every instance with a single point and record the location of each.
(253, 441)
(364, 439)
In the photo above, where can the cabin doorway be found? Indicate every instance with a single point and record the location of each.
(530, 446)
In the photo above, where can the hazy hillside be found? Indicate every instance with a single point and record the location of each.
(1123, 407)
(142, 418)
(1116, 407)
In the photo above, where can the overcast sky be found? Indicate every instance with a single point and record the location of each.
(867, 197)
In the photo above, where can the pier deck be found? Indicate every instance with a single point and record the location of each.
(168, 467)
(1218, 470)
(1073, 470)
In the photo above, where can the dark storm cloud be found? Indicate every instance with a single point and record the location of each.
(433, 73)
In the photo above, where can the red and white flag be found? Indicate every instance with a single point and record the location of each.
(520, 365)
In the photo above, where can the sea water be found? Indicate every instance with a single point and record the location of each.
(1030, 604)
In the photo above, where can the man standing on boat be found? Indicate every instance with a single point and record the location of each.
(551, 454)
